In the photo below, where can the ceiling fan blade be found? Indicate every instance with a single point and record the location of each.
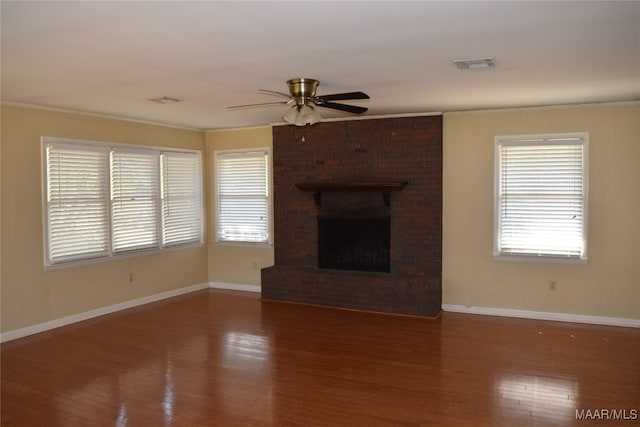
(342, 107)
(344, 96)
(261, 104)
(274, 93)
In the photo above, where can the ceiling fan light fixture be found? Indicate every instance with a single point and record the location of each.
(300, 120)
(291, 114)
(309, 114)
(302, 114)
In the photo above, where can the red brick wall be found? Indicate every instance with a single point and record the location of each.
(383, 150)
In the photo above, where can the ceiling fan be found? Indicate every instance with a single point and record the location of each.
(303, 101)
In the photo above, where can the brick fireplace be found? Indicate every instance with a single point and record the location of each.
(358, 215)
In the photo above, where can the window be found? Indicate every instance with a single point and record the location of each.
(77, 202)
(541, 196)
(243, 196)
(181, 198)
(135, 183)
(107, 200)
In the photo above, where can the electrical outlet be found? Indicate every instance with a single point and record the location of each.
(553, 285)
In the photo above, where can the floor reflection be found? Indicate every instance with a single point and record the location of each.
(244, 346)
(122, 419)
(245, 359)
(539, 397)
(169, 398)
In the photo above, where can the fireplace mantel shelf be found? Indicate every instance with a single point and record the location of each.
(319, 187)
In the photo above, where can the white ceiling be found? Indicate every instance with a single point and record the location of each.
(110, 57)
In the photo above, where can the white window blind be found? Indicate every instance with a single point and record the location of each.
(135, 191)
(77, 202)
(541, 195)
(108, 200)
(243, 196)
(181, 198)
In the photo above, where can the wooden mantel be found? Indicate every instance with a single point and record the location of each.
(317, 188)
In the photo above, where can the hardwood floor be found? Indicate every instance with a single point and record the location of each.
(215, 358)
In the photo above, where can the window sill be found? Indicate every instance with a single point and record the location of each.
(244, 244)
(544, 259)
(119, 257)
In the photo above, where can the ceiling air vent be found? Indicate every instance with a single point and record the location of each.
(165, 100)
(473, 64)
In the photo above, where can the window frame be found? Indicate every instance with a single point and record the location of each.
(111, 255)
(577, 138)
(269, 198)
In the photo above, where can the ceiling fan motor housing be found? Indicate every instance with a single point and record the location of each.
(302, 90)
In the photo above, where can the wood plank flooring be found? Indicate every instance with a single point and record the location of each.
(215, 358)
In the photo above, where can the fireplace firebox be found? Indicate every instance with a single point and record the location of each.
(360, 244)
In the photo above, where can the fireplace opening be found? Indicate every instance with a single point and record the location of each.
(354, 243)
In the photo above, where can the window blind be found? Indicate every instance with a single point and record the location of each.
(107, 200)
(181, 198)
(77, 202)
(135, 187)
(541, 197)
(243, 196)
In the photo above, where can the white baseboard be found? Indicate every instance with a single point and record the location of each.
(235, 287)
(541, 315)
(538, 315)
(68, 320)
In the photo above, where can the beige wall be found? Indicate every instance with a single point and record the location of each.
(29, 294)
(609, 283)
(228, 263)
